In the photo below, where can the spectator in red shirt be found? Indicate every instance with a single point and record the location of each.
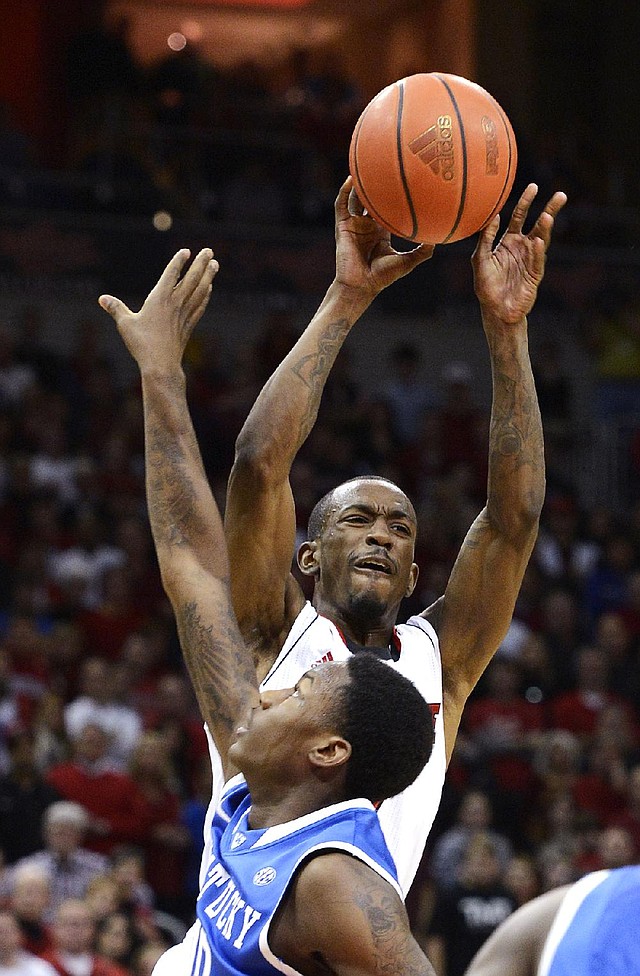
(601, 789)
(177, 718)
(118, 614)
(110, 797)
(505, 728)
(614, 848)
(577, 710)
(166, 838)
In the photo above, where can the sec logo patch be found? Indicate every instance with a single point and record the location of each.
(264, 876)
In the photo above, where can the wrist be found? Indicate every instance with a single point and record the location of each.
(495, 320)
(349, 301)
(153, 374)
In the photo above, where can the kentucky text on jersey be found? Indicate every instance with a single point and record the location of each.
(233, 916)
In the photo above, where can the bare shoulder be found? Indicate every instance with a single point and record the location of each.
(433, 613)
(343, 914)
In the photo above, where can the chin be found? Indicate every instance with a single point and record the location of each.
(235, 754)
(367, 606)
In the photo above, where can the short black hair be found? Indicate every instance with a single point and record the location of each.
(389, 726)
(320, 512)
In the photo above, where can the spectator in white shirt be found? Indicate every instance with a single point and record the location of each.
(14, 960)
(69, 866)
(97, 705)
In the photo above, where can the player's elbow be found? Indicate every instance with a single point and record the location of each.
(253, 464)
(519, 522)
(170, 580)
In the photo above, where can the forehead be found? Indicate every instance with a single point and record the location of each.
(324, 679)
(377, 495)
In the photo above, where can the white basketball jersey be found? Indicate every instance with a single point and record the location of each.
(406, 819)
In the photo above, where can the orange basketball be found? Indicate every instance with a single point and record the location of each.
(433, 158)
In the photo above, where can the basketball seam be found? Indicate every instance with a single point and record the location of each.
(403, 175)
(500, 202)
(463, 189)
(364, 199)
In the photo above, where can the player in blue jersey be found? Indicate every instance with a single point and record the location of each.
(299, 878)
(590, 928)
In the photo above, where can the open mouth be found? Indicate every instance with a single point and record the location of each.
(374, 566)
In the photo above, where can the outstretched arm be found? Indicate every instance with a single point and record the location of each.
(259, 515)
(185, 522)
(474, 614)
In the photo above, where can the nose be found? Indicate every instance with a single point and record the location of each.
(379, 535)
(270, 698)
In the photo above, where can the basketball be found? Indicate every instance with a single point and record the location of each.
(433, 158)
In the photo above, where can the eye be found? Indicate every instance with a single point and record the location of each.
(402, 529)
(356, 519)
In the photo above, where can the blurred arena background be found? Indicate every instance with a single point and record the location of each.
(130, 128)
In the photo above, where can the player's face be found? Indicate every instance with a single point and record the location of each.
(364, 558)
(288, 724)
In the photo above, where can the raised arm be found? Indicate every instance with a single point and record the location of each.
(474, 614)
(185, 522)
(259, 515)
(342, 917)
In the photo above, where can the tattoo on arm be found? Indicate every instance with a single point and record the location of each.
(219, 665)
(395, 951)
(184, 517)
(170, 492)
(513, 422)
(516, 440)
(314, 368)
(171, 456)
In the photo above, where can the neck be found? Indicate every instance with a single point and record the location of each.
(366, 632)
(271, 805)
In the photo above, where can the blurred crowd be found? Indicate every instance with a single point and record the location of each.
(261, 142)
(104, 768)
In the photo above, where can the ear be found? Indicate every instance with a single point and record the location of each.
(308, 561)
(329, 754)
(413, 579)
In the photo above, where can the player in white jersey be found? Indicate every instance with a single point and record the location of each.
(590, 928)
(361, 537)
(361, 541)
(300, 879)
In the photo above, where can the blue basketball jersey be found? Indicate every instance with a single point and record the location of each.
(596, 931)
(249, 872)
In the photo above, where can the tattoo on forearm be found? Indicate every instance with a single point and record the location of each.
(516, 431)
(516, 447)
(218, 663)
(171, 493)
(314, 369)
